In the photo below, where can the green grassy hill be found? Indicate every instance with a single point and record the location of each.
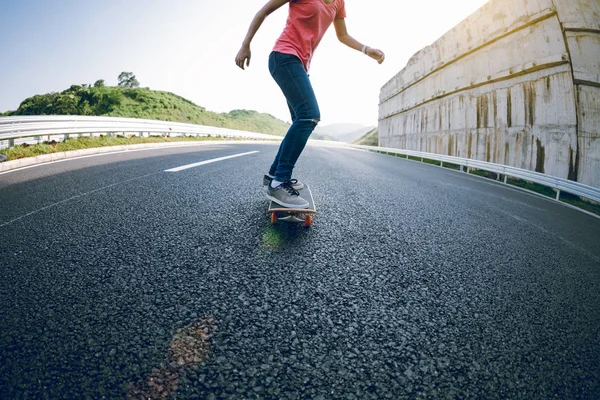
(116, 101)
(371, 138)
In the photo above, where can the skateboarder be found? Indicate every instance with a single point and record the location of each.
(289, 63)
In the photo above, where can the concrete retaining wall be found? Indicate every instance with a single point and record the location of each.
(516, 83)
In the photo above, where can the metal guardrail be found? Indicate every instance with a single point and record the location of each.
(559, 184)
(27, 127)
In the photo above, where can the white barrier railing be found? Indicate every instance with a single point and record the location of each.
(35, 127)
(559, 184)
(28, 127)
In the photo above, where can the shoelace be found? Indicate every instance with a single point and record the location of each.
(287, 186)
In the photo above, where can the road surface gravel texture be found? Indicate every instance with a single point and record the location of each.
(120, 280)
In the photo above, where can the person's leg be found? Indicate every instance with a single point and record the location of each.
(276, 161)
(290, 75)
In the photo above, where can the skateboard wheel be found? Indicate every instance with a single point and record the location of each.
(274, 218)
(308, 220)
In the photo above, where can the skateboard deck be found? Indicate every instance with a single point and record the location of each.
(305, 215)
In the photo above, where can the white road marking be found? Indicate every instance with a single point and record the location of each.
(204, 143)
(75, 197)
(118, 183)
(208, 162)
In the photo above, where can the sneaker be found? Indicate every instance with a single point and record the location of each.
(295, 184)
(286, 196)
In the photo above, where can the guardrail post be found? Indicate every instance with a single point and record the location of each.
(505, 178)
(11, 142)
(557, 194)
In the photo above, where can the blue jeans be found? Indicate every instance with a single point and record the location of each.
(290, 75)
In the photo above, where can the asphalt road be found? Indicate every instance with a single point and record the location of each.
(414, 282)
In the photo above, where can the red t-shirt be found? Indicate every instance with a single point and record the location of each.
(307, 22)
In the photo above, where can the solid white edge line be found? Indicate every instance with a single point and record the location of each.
(188, 166)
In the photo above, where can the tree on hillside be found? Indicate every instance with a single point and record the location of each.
(127, 80)
(73, 89)
(99, 83)
(38, 104)
(107, 102)
(64, 105)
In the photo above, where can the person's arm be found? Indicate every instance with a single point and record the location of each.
(244, 55)
(344, 37)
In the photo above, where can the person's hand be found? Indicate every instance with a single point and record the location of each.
(376, 54)
(243, 57)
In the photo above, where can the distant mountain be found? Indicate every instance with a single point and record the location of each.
(341, 132)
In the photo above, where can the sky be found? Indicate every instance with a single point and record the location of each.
(188, 47)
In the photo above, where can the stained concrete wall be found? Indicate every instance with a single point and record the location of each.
(516, 83)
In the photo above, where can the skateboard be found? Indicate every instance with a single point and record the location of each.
(305, 215)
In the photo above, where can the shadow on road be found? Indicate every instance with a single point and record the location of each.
(281, 236)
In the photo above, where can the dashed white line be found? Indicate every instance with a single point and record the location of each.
(188, 166)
